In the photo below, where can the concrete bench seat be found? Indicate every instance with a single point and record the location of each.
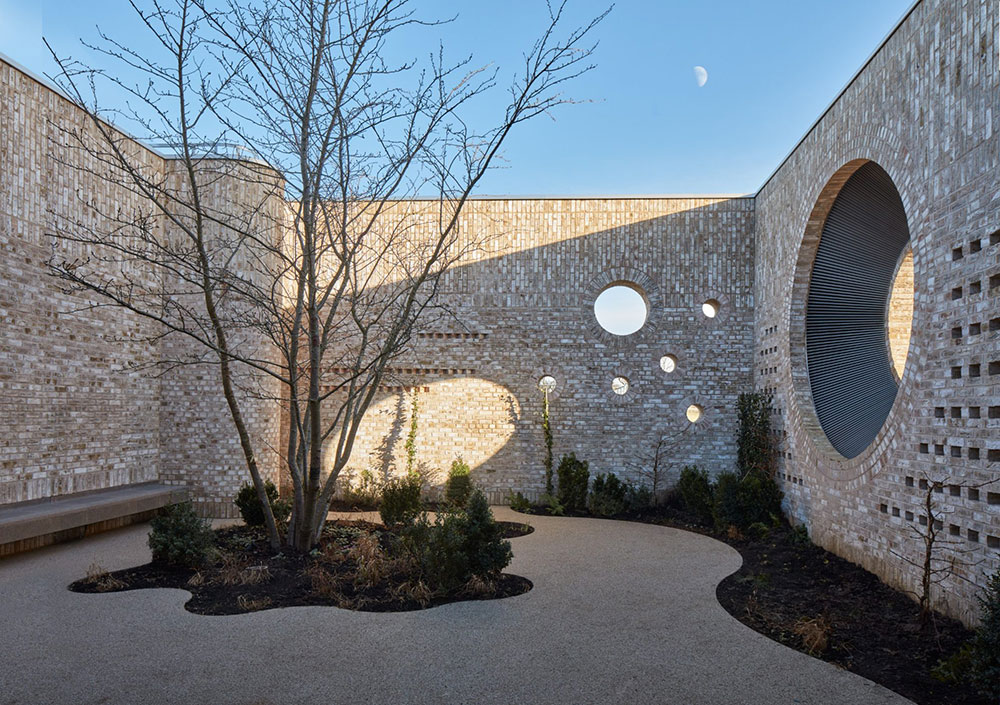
(28, 525)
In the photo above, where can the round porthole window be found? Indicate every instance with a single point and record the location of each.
(710, 308)
(858, 309)
(547, 383)
(619, 385)
(621, 309)
(668, 363)
(694, 413)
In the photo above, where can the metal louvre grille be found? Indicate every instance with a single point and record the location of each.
(850, 370)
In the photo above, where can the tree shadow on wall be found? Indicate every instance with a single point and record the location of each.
(517, 315)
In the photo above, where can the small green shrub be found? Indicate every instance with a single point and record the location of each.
(574, 476)
(400, 503)
(488, 552)
(553, 507)
(800, 535)
(179, 537)
(363, 494)
(458, 487)
(758, 531)
(607, 496)
(518, 502)
(459, 545)
(638, 499)
(954, 669)
(984, 664)
(742, 502)
(696, 493)
(250, 507)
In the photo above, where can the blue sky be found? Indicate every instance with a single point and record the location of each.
(647, 127)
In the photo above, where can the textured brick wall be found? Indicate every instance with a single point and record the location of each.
(523, 308)
(81, 406)
(74, 415)
(926, 109)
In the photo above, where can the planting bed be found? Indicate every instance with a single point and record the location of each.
(358, 565)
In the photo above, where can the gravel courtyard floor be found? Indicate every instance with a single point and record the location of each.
(620, 612)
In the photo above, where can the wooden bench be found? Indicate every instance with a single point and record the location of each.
(28, 525)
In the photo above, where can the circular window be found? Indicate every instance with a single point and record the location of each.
(668, 363)
(710, 308)
(848, 309)
(693, 413)
(621, 309)
(619, 385)
(547, 383)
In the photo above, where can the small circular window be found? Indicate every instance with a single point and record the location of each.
(710, 308)
(621, 309)
(694, 413)
(619, 385)
(547, 383)
(668, 363)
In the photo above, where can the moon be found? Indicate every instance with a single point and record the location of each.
(700, 75)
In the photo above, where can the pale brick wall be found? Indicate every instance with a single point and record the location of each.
(74, 416)
(926, 109)
(524, 308)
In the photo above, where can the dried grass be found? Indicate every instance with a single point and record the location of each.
(815, 634)
(370, 561)
(102, 580)
(250, 604)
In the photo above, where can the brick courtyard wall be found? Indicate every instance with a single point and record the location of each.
(74, 414)
(523, 307)
(81, 404)
(927, 110)
(198, 443)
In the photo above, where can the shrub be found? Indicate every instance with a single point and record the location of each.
(742, 502)
(696, 491)
(365, 493)
(459, 545)
(956, 668)
(488, 552)
(754, 450)
(638, 499)
(458, 487)
(607, 496)
(251, 510)
(552, 505)
(574, 476)
(518, 502)
(179, 537)
(400, 503)
(984, 664)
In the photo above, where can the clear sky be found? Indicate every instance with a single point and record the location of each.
(648, 127)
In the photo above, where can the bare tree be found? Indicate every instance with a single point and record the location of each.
(939, 554)
(655, 464)
(305, 281)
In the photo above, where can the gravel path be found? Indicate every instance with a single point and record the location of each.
(620, 613)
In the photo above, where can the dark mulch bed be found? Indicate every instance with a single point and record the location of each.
(792, 590)
(248, 576)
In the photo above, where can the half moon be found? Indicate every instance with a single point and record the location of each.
(700, 75)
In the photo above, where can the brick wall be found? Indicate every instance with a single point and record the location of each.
(523, 308)
(926, 109)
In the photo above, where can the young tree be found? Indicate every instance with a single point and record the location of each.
(938, 553)
(303, 281)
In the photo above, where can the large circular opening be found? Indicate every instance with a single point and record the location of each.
(621, 309)
(849, 312)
